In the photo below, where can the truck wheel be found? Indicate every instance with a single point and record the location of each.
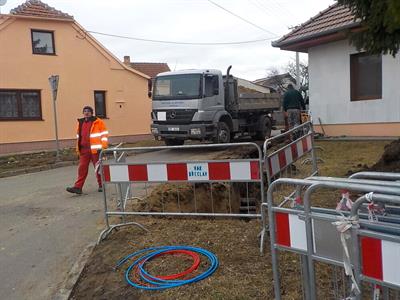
(223, 133)
(173, 142)
(265, 128)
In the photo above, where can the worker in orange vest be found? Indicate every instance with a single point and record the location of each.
(92, 137)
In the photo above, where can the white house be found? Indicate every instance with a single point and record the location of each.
(351, 93)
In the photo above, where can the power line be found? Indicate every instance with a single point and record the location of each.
(241, 18)
(181, 43)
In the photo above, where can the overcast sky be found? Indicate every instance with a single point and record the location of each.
(193, 21)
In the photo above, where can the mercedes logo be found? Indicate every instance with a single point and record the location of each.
(172, 115)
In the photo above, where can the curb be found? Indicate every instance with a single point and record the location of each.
(37, 168)
(66, 288)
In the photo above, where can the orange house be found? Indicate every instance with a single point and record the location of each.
(37, 41)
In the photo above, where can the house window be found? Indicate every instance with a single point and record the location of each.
(365, 76)
(20, 105)
(43, 42)
(100, 104)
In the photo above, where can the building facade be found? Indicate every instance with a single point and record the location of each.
(352, 93)
(38, 41)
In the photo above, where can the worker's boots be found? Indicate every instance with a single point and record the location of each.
(74, 190)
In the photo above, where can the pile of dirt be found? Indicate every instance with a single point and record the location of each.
(183, 198)
(390, 160)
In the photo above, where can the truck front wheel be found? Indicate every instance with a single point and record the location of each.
(223, 133)
(173, 142)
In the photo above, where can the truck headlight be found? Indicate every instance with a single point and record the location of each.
(154, 130)
(195, 131)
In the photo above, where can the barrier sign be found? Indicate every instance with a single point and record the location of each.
(197, 171)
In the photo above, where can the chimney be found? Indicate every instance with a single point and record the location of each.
(127, 60)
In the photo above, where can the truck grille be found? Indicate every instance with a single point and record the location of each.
(173, 132)
(178, 116)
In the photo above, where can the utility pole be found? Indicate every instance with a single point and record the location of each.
(53, 80)
(297, 71)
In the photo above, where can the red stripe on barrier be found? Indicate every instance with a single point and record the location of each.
(254, 170)
(371, 250)
(177, 171)
(282, 229)
(282, 160)
(137, 172)
(106, 172)
(295, 155)
(270, 167)
(304, 143)
(219, 171)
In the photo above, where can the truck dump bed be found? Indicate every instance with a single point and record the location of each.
(242, 99)
(256, 101)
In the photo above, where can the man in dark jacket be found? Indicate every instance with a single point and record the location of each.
(293, 103)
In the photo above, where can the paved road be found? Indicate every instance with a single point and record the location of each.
(43, 229)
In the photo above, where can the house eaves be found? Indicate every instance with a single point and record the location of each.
(331, 24)
(302, 44)
(38, 18)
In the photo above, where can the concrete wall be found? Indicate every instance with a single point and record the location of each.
(329, 68)
(83, 66)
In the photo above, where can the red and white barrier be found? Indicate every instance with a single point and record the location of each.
(290, 231)
(193, 171)
(288, 155)
(381, 260)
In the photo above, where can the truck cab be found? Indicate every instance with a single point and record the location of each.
(185, 103)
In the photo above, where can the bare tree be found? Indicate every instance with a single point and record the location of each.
(276, 80)
(304, 78)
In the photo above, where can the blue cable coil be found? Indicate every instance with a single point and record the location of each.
(157, 283)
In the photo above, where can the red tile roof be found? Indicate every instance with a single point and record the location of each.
(150, 69)
(36, 8)
(333, 19)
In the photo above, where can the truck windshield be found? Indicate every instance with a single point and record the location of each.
(186, 86)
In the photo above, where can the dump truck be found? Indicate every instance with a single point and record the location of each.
(209, 106)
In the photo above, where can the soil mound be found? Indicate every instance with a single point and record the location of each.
(183, 198)
(390, 160)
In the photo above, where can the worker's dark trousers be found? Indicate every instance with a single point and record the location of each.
(84, 160)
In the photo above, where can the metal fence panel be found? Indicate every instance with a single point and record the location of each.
(232, 178)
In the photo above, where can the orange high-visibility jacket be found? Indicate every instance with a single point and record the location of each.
(98, 135)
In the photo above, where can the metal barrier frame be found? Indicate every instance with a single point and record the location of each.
(309, 257)
(376, 175)
(356, 233)
(124, 213)
(303, 127)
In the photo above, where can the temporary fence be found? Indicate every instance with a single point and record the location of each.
(376, 251)
(387, 176)
(309, 232)
(232, 174)
(297, 143)
(280, 154)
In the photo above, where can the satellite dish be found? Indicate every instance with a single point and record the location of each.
(3, 2)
